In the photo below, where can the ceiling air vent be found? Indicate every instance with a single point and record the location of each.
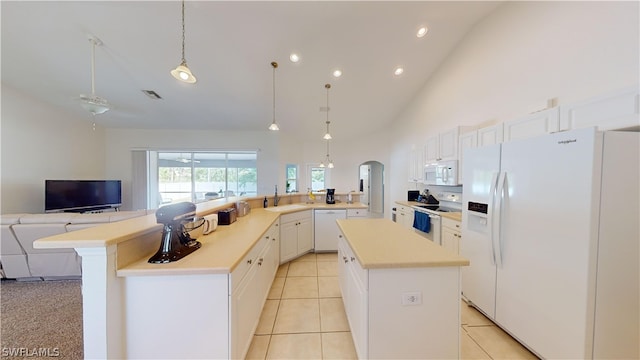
(152, 94)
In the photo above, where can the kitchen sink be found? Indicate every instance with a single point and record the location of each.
(285, 208)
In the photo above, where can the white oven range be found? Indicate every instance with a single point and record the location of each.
(449, 202)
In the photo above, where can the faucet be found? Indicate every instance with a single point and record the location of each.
(275, 197)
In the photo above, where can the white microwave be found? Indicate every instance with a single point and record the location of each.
(442, 173)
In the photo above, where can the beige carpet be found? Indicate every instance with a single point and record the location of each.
(43, 317)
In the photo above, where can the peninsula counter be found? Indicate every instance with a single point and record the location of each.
(208, 304)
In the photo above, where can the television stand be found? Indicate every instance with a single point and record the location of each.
(100, 210)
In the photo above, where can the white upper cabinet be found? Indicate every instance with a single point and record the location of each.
(466, 140)
(490, 135)
(416, 164)
(443, 146)
(610, 112)
(432, 149)
(539, 123)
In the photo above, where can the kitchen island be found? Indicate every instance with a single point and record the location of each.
(204, 306)
(401, 292)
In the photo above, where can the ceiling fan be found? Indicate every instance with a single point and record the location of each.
(94, 103)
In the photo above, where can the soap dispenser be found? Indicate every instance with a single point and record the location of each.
(265, 202)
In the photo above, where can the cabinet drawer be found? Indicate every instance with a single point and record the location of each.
(300, 215)
(357, 213)
(352, 263)
(452, 224)
(245, 264)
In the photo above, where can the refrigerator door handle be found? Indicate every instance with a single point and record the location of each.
(492, 214)
(497, 220)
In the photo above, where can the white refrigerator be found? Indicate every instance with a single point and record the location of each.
(550, 226)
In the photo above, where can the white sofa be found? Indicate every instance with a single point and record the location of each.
(18, 258)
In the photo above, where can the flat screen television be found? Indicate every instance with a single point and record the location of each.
(81, 195)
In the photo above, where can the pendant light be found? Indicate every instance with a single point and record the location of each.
(274, 126)
(182, 72)
(328, 159)
(327, 135)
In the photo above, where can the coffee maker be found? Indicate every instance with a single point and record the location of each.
(331, 199)
(176, 242)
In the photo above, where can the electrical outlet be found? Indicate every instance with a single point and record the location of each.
(411, 298)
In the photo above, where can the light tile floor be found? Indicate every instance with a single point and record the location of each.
(304, 318)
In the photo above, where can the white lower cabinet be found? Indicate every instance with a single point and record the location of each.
(451, 235)
(249, 287)
(357, 213)
(405, 216)
(394, 313)
(296, 235)
(353, 282)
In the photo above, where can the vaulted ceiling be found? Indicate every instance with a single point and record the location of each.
(229, 46)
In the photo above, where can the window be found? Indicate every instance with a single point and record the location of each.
(292, 178)
(317, 178)
(199, 176)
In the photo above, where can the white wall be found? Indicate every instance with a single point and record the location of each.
(275, 150)
(514, 60)
(41, 142)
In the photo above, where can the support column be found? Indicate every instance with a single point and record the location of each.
(102, 304)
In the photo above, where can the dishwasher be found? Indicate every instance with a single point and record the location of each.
(326, 229)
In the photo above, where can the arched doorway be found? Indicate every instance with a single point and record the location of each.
(371, 176)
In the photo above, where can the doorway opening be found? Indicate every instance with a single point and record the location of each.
(371, 177)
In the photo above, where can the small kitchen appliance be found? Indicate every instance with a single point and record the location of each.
(243, 208)
(227, 216)
(442, 173)
(176, 242)
(331, 196)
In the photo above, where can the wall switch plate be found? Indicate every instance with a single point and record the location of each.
(411, 298)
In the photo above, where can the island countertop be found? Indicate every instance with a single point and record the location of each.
(383, 244)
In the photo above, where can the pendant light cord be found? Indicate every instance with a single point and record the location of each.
(93, 67)
(327, 86)
(183, 59)
(274, 65)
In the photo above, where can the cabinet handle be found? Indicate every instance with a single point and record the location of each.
(267, 236)
(340, 236)
(260, 261)
(250, 261)
(345, 259)
(353, 259)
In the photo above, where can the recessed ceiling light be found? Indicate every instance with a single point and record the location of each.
(398, 71)
(294, 57)
(337, 73)
(422, 32)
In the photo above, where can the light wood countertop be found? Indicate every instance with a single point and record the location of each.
(454, 215)
(220, 253)
(381, 243)
(221, 250)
